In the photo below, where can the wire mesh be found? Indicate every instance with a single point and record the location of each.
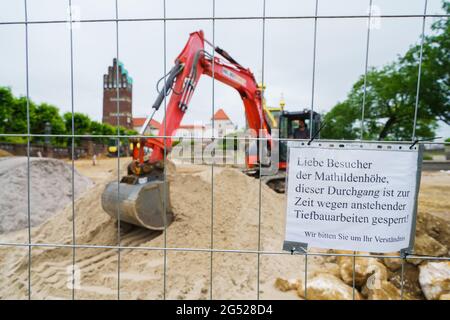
(211, 250)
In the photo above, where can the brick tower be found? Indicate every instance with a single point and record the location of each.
(122, 112)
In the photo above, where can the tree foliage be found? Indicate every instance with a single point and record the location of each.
(391, 94)
(44, 117)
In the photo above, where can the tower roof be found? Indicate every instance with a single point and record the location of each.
(220, 115)
(122, 71)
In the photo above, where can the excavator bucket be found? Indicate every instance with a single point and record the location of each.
(146, 205)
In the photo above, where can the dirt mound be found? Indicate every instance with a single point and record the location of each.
(228, 200)
(4, 153)
(236, 218)
(381, 279)
(50, 190)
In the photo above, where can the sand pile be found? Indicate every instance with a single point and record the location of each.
(50, 190)
(235, 213)
(236, 217)
(4, 153)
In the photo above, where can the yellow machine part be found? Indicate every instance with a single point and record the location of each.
(112, 149)
(269, 110)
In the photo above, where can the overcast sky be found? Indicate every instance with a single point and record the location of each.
(288, 56)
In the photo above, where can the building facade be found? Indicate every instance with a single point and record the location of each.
(222, 124)
(152, 128)
(117, 96)
(190, 131)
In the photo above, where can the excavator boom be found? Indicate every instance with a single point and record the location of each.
(142, 197)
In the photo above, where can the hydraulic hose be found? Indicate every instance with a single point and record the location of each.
(177, 68)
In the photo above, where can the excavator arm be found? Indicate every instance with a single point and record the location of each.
(190, 65)
(141, 197)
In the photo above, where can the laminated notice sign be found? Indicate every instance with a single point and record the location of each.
(352, 196)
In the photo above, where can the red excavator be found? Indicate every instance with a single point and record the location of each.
(142, 197)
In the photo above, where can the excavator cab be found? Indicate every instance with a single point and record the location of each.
(288, 122)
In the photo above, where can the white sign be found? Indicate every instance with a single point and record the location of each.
(359, 197)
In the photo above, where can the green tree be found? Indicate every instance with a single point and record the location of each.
(108, 129)
(96, 128)
(13, 120)
(13, 115)
(435, 75)
(105, 129)
(44, 115)
(81, 125)
(6, 100)
(341, 121)
(391, 94)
